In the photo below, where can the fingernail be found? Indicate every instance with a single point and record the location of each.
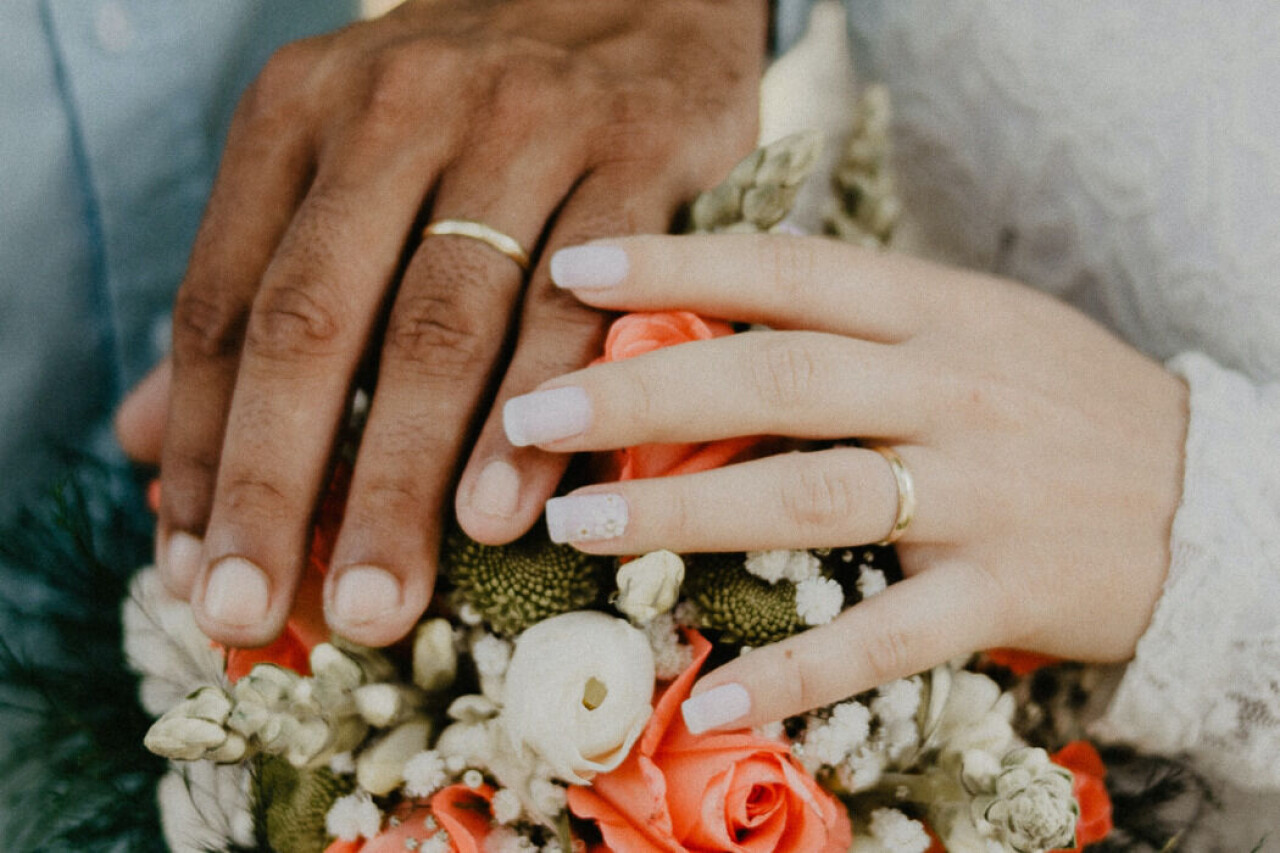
(589, 266)
(182, 557)
(236, 593)
(365, 594)
(586, 518)
(497, 490)
(717, 707)
(546, 415)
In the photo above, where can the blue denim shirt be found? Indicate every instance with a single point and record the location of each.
(112, 117)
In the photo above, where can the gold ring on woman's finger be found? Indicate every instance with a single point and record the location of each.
(486, 234)
(906, 493)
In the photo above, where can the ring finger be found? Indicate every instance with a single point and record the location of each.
(443, 341)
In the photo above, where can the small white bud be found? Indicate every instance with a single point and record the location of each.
(649, 586)
(380, 768)
(380, 705)
(435, 658)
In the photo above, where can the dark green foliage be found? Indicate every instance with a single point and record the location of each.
(73, 775)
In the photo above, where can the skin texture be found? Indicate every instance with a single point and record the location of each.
(553, 121)
(1046, 452)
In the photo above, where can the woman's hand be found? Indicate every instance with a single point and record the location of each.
(553, 121)
(1046, 454)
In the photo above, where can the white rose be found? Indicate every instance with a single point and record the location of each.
(648, 586)
(578, 693)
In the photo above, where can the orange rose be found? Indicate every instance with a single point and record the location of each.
(1019, 662)
(641, 332)
(730, 791)
(1087, 771)
(458, 810)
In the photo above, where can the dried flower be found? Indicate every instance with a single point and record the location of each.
(1030, 804)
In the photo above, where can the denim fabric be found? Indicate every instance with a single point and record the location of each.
(112, 117)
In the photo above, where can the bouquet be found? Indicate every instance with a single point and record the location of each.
(536, 706)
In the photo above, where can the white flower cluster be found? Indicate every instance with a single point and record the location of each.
(818, 599)
(858, 740)
(891, 831)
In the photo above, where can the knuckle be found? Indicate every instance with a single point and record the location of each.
(291, 321)
(206, 325)
(435, 337)
(629, 131)
(391, 502)
(274, 97)
(393, 95)
(818, 500)
(250, 495)
(783, 372)
(885, 653)
(790, 265)
(525, 87)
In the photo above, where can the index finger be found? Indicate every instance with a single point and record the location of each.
(913, 625)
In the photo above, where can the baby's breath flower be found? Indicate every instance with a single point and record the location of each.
(897, 700)
(783, 564)
(871, 581)
(424, 774)
(832, 741)
(818, 600)
(547, 797)
(473, 778)
(670, 656)
(353, 816)
(899, 833)
(504, 839)
(491, 655)
(505, 806)
(438, 843)
(862, 771)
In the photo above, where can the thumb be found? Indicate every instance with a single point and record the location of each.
(910, 627)
(140, 420)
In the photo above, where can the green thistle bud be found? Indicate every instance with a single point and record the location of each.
(747, 609)
(290, 804)
(513, 586)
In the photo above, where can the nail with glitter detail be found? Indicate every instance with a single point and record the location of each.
(586, 518)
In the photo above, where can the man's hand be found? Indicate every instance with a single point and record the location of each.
(553, 121)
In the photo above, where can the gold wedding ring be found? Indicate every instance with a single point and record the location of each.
(491, 237)
(906, 493)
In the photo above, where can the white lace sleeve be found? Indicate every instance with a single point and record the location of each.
(1206, 677)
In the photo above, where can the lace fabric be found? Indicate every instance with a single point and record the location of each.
(1126, 157)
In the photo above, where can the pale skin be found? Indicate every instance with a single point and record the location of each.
(552, 121)
(1046, 453)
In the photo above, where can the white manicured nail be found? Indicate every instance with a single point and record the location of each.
(237, 593)
(365, 594)
(586, 518)
(717, 707)
(546, 415)
(497, 490)
(589, 266)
